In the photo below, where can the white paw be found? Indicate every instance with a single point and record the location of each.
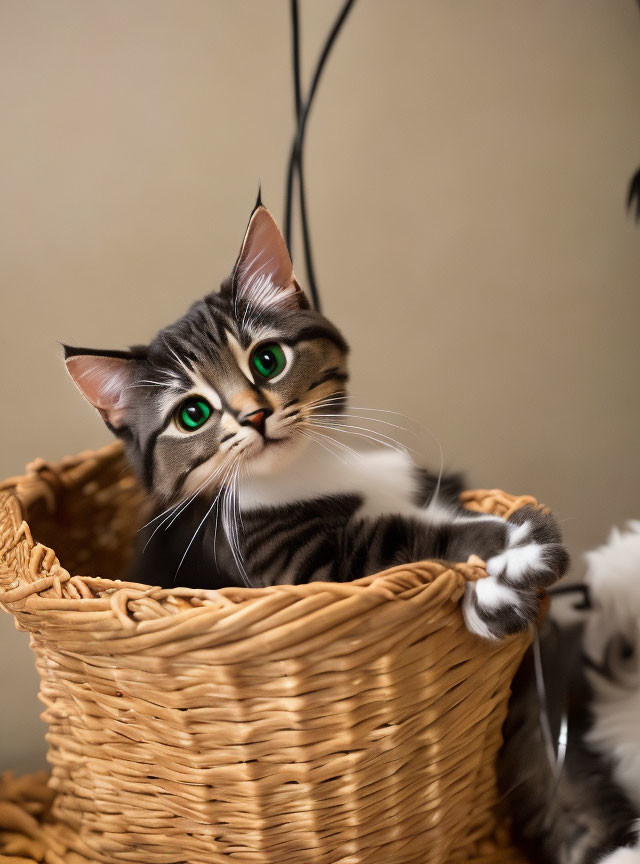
(491, 594)
(484, 598)
(521, 559)
(516, 564)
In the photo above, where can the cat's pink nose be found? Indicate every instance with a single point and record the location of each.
(257, 419)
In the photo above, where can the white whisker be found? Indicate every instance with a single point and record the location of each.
(230, 523)
(204, 518)
(200, 488)
(316, 436)
(379, 438)
(160, 515)
(182, 504)
(420, 428)
(371, 419)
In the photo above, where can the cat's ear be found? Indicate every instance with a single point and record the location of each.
(103, 378)
(263, 275)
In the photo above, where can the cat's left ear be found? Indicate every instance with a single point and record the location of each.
(104, 379)
(263, 275)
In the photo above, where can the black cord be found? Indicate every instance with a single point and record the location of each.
(576, 588)
(306, 238)
(296, 154)
(297, 85)
(297, 107)
(633, 196)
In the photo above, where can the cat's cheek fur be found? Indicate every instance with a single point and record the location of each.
(198, 476)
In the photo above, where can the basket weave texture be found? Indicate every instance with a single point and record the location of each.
(314, 724)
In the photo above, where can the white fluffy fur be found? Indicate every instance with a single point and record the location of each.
(491, 594)
(614, 577)
(474, 622)
(385, 479)
(623, 856)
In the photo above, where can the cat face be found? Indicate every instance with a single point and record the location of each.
(229, 388)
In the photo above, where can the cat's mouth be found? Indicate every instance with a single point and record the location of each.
(268, 442)
(267, 451)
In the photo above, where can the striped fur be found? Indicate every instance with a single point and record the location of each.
(266, 491)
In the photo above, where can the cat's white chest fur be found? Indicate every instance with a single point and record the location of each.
(385, 481)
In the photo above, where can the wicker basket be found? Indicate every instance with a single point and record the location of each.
(314, 724)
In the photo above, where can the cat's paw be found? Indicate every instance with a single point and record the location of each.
(534, 556)
(492, 609)
(508, 599)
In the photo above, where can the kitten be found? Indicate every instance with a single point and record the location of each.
(227, 417)
(592, 668)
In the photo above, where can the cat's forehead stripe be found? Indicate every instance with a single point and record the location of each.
(239, 354)
(205, 389)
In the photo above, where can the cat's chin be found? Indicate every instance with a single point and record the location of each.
(274, 454)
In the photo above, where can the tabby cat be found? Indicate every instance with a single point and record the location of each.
(231, 418)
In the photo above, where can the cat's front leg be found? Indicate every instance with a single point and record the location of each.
(533, 557)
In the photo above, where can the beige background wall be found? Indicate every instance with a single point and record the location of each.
(467, 164)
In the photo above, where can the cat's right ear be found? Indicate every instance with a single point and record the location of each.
(263, 275)
(103, 378)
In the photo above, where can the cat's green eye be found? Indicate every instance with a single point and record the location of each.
(193, 413)
(268, 360)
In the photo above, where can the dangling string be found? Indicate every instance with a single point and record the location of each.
(556, 748)
(297, 107)
(295, 164)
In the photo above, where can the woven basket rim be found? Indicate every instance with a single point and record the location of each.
(49, 581)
